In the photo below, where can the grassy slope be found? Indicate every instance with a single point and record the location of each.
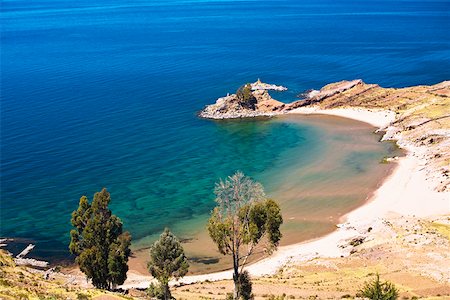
(17, 282)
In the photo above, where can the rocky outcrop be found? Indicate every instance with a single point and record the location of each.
(230, 107)
(330, 90)
(261, 86)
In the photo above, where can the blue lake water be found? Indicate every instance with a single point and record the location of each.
(104, 94)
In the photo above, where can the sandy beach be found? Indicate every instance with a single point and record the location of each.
(377, 118)
(407, 192)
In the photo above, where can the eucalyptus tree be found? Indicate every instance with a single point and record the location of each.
(243, 218)
(99, 243)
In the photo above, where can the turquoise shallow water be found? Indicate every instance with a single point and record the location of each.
(104, 94)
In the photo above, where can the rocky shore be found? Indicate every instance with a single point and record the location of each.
(261, 86)
(418, 117)
(419, 120)
(230, 107)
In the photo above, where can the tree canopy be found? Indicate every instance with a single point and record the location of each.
(242, 219)
(100, 245)
(245, 96)
(167, 260)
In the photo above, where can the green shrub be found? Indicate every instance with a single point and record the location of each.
(22, 296)
(245, 286)
(377, 290)
(273, 297)
(156, 291)
(81, 296)
(245, 96)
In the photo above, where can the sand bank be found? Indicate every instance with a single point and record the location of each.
(378, 118)
(408, 191)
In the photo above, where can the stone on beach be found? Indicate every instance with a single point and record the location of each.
(25, 251)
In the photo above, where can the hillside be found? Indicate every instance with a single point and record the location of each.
(18, 282)
(411, 253)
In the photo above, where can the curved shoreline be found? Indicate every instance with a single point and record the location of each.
(400, 194)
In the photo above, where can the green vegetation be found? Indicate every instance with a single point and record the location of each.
(243, 217)
(245, 286)
(167, 260)
(102, 249)
(377, 290)
(20, 282)
(443, 229)
(245, 96)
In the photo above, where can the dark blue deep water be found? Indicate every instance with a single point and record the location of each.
(104, 94)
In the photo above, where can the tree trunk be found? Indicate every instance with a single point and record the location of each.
(236, 294)
(167, 295)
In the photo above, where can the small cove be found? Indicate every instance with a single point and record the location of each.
(316, 184)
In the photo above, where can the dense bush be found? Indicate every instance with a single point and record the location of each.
(377, 290)
(245, 286)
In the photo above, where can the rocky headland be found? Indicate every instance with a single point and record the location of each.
(232, 107)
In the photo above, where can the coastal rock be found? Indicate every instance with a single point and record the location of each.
(261, 86)
(30, 262)
(25, 251)
(229, 107)
(314, 96)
